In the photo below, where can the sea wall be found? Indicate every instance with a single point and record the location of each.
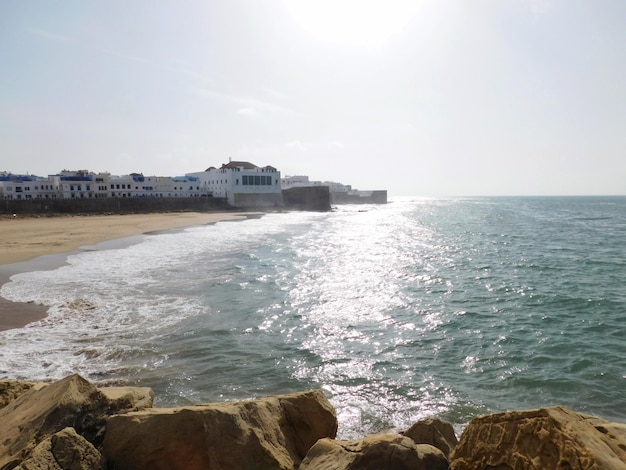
(115, 205)
(306, 199)
(72, 424)
(309, 198)
(359, 197)
(258, 200)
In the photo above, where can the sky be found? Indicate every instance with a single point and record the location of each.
(422, 97)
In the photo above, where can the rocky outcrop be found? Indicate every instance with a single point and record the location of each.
(268, 433)
(11, 389)
(39, 413)
(128, 398)
(545, 438)
(378, 452)
(65, 450)
(435, 432)
(72, 425)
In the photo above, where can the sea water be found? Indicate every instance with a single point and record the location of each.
(447, 307)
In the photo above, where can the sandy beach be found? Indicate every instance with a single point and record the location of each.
(24, 239)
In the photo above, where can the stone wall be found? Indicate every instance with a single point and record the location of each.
(363, 197)
(115, 205)
(267, 200)
(309, 198)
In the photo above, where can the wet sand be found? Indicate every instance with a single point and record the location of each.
(39, 243)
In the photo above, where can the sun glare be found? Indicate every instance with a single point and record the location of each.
(353, 22)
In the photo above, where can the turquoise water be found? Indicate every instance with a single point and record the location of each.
(452, 307)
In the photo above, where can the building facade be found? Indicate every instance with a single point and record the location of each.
(242, 184)
(83, 184)
(302, 181)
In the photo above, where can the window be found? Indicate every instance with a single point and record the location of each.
(257, 180)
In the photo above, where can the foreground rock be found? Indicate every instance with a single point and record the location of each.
(539, 439)
(11, 389)
(62, 451)
(435, 432)
(379, 452)
(72, 425)
(38, 413)
(268, 433)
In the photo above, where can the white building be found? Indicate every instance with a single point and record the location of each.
(83, 184)
(20, 187)
(303, 181)
(242, 184)
(75, 184)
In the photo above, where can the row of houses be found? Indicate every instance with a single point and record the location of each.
(240, 183)
(84, 184)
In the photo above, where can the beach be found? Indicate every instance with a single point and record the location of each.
(22, 239)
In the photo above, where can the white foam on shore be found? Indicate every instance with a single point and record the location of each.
(105, 304)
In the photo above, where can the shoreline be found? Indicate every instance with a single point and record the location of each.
(44, 243)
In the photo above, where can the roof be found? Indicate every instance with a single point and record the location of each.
(244, 165)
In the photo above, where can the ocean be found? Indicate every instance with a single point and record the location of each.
(449, 307)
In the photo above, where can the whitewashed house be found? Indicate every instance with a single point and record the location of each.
(242, 184)
(20, 187)
(301, 181)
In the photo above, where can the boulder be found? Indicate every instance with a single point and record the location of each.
(11, 389)
(41, 412)
(128, 398)
(377, 452)
(435, 432)
(539, 439)
(64, 450)
(269, 433)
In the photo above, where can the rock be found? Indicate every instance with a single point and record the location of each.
(435, 432)
(41, 412)
(378, 452)
(268, 433)
(64, 450)
(11, 389)
(129, 398)
(538, 439)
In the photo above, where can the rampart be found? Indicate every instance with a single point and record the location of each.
(114, 205)
(307, 198)
(360, 197)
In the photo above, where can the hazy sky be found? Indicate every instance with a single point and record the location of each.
(423, 97)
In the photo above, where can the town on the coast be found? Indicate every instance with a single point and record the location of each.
(238, 183)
